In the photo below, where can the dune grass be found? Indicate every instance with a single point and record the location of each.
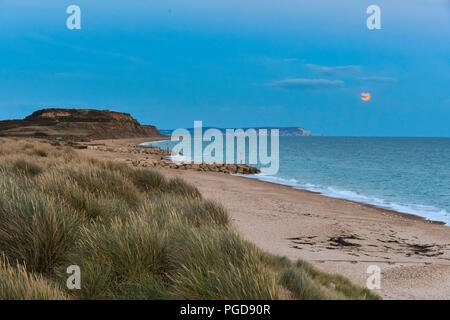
(134, 234)
(18, 284)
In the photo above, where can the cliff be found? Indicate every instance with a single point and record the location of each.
(283, 131)
(292, 131)
(77, 124)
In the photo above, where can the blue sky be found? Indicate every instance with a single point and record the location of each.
(234, 63)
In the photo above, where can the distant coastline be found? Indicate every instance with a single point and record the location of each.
(283, 131)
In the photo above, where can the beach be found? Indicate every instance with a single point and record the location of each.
(336, 235)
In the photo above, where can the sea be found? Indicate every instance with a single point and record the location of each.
(409, 175)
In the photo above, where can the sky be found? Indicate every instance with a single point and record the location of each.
(234, 63)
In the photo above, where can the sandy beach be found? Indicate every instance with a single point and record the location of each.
(337, 236)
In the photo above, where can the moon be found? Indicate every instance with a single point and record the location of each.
(365, 96)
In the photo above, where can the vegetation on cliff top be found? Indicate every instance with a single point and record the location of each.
(133, 233)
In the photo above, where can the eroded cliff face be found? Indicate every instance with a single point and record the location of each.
(79, 124)
(81, 115)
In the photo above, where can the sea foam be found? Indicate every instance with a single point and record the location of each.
(427, 212)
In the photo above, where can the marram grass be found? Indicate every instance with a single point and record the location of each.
(134, 234)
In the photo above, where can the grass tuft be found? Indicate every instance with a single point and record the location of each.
(300, 285)
(40, 152)
(25, 167)
(34, 230)
(18, 284)
(180, 187)
(148, 180)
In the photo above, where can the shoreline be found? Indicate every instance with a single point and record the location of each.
(337, 235)
(296, 186)
(370, 205)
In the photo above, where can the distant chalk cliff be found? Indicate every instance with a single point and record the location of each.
(283, 131)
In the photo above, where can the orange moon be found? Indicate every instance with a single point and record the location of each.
(365, 96)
